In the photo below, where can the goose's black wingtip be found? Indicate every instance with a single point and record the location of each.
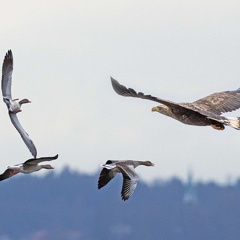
(9, 54)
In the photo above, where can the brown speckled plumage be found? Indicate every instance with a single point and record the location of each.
(203, 112)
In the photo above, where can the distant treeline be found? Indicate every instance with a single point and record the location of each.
(70, 207)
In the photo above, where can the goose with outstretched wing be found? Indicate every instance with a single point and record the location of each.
(14, 105)
(203, 112)
(127, 169)
(27, 167)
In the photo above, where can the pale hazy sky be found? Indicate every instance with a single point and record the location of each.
(64, 54)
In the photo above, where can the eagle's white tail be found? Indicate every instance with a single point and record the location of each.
(234, 122)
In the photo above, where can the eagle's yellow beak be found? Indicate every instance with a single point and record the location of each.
(155, 109)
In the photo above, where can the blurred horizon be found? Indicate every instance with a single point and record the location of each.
(69, 206)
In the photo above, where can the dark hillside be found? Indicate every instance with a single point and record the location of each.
(69, 206)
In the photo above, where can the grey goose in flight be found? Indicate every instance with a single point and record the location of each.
(14, 105)
(27, 167)
(126, 168)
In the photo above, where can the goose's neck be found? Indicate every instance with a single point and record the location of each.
(145, 163)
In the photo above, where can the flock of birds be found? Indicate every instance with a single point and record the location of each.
(206, 111)
(14, 107)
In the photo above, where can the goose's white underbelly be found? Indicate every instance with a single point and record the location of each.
(30, 169)
(14, 106)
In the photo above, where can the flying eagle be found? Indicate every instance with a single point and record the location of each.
(203, 112)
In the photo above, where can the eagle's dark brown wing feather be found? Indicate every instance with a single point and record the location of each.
(211, 106)
(198, 110)
(178, 108)
(221, 102)
(129, 92)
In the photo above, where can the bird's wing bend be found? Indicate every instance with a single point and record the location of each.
(129, 92)
(35, 161)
